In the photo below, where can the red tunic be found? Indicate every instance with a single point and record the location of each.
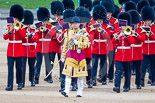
(15, 48)
(29, 44)
(44, 40)
(115, 29)
(137, 53)
(56, 45)
(100, 40)
(149, 43)
(123, 52)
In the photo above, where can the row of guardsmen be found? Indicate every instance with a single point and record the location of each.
(124, 37)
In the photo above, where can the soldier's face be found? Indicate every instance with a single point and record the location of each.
(148, 22)
(100, 21)
(109, 15)
(57, 17)
(76, 25)
(44, 22)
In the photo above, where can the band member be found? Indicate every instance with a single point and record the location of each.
(113, 22)
(148, 17)
(68, 14)
(123, 54)
(121, 2)
(99, 49)
(43, 48)
(57, 8)
(73, 50)
(69, 4)
(137, 55)
(15, 48)
(85, 17)
(29, 46)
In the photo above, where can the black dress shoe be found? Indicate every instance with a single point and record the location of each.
(36, 81)
(126, 90)
(153, 84)
(19, 87)
(138, 87)
(9, 88)
(46, 79)
(149, 81)
(33, 84)
(104, 82)
(78, 96)
(90, 85)
(94, 83)
(62, 90)
(99, 80)
(50, 81)
(74, 88)
(64, 94)
(116, 89)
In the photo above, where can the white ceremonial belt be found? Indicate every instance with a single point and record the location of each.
(123, 47)
(134, 45)
(17, 41)
(28, 43)
(44, 39)
(98, 40)
(149, 41)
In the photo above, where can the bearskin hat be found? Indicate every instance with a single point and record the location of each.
(130, 5)
(68, 4)
(68, 14)
(136, 1)
(86, 3)
(122, 1)
(84, 14)
(147, 13)
(117, 11)
(28, 17)
(135, 16)
(141, 4)
(125, 16)
(108, 5)
(152, 2)
(43, 14)
(99, 12)
(57, 7)
(17, 11)
(112, 1)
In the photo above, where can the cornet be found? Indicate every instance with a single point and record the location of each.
(17, 25)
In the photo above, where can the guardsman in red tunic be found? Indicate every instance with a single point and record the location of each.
(29, 46)
(15, 48)
(123, 55)
(113, 22)
(137, 54)
(43, 48)
(85, 18)
(148, 17)
(57, 8)
(99, 49)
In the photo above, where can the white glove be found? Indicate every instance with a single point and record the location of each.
(75, 42)
(62, 60)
